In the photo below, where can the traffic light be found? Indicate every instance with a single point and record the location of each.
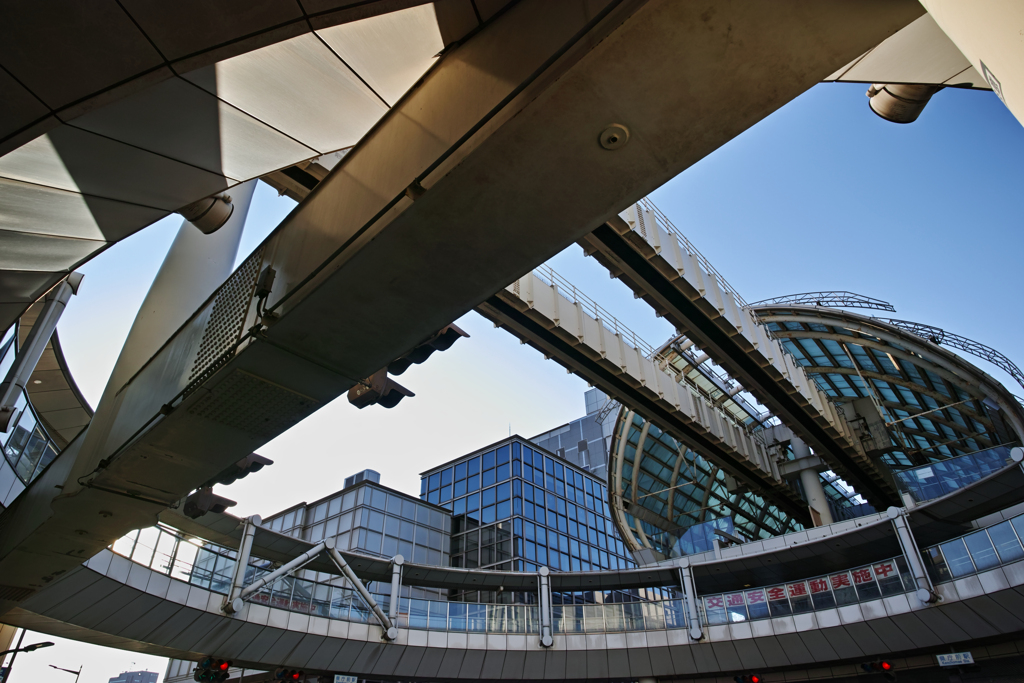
(881, 666)
(747, 678)
(377, 388)
(253, 462)
(283, 674)
(205, 500)
(441, 340)
(210, 670)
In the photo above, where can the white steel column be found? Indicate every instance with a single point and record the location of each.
(925, 590)
(390, 630)
(250, 524)
(544, 594)
(690, 595)
(195, 265)
(28, 356)
(396, 586)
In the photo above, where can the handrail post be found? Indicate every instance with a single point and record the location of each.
(544, 591)
(249, 526)
(925, 590)
(396, 586)
(690, 595)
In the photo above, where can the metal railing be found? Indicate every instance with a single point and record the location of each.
(569, 291)
(688, 245)
(981, 550)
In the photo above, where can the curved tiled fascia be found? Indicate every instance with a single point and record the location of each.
(113, 601)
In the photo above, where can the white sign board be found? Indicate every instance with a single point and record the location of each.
(952, 659)
(338, 678)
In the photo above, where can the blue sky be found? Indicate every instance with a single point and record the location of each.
(823, 194)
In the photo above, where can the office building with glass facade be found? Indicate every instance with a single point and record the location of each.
(371, 519)
(518, 507)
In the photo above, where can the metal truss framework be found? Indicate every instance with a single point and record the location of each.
(939, 336)
(831, 299)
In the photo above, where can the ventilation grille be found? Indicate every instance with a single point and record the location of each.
(253, 405)
(15, 593)
(227, 318)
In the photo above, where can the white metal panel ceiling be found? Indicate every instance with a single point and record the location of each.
(390, 52)
(298, 87)
(920, 53)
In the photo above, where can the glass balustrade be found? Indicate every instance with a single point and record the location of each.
(210, 566)
(929, 482)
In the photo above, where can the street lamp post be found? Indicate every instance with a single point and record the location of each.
(70, 671)
(15, 651)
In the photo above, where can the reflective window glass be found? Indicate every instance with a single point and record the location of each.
(473, 466)
(460, 471)
(487, 515)
(446, 476)
(459, 489)
(334, 507)
(488, 460)
(487, 478)
(502, 455)
(1006, 542)
(957, 558)
(473, 502)
(981, 550)
(504, 491)
(394, 504)
(435, 481)
(504, 510)
(503, 472)
(446, 494)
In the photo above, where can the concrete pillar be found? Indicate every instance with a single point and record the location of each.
(195, 265)
(807, 466)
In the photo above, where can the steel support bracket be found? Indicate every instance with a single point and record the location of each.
(925, 590)
(390, 630)
(690, 596)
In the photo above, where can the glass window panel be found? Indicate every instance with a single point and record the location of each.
(487, 515)
(319, 513)
(434, 481)
(446, 476)
(503, 473)
(1006, 542)
(394, 504)
(375, 521)
(460, 471)
(980, 547)
(887, 575)
(957, 559)
(504, 510)
(502, 456)
(378, 499)
(488, 461)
